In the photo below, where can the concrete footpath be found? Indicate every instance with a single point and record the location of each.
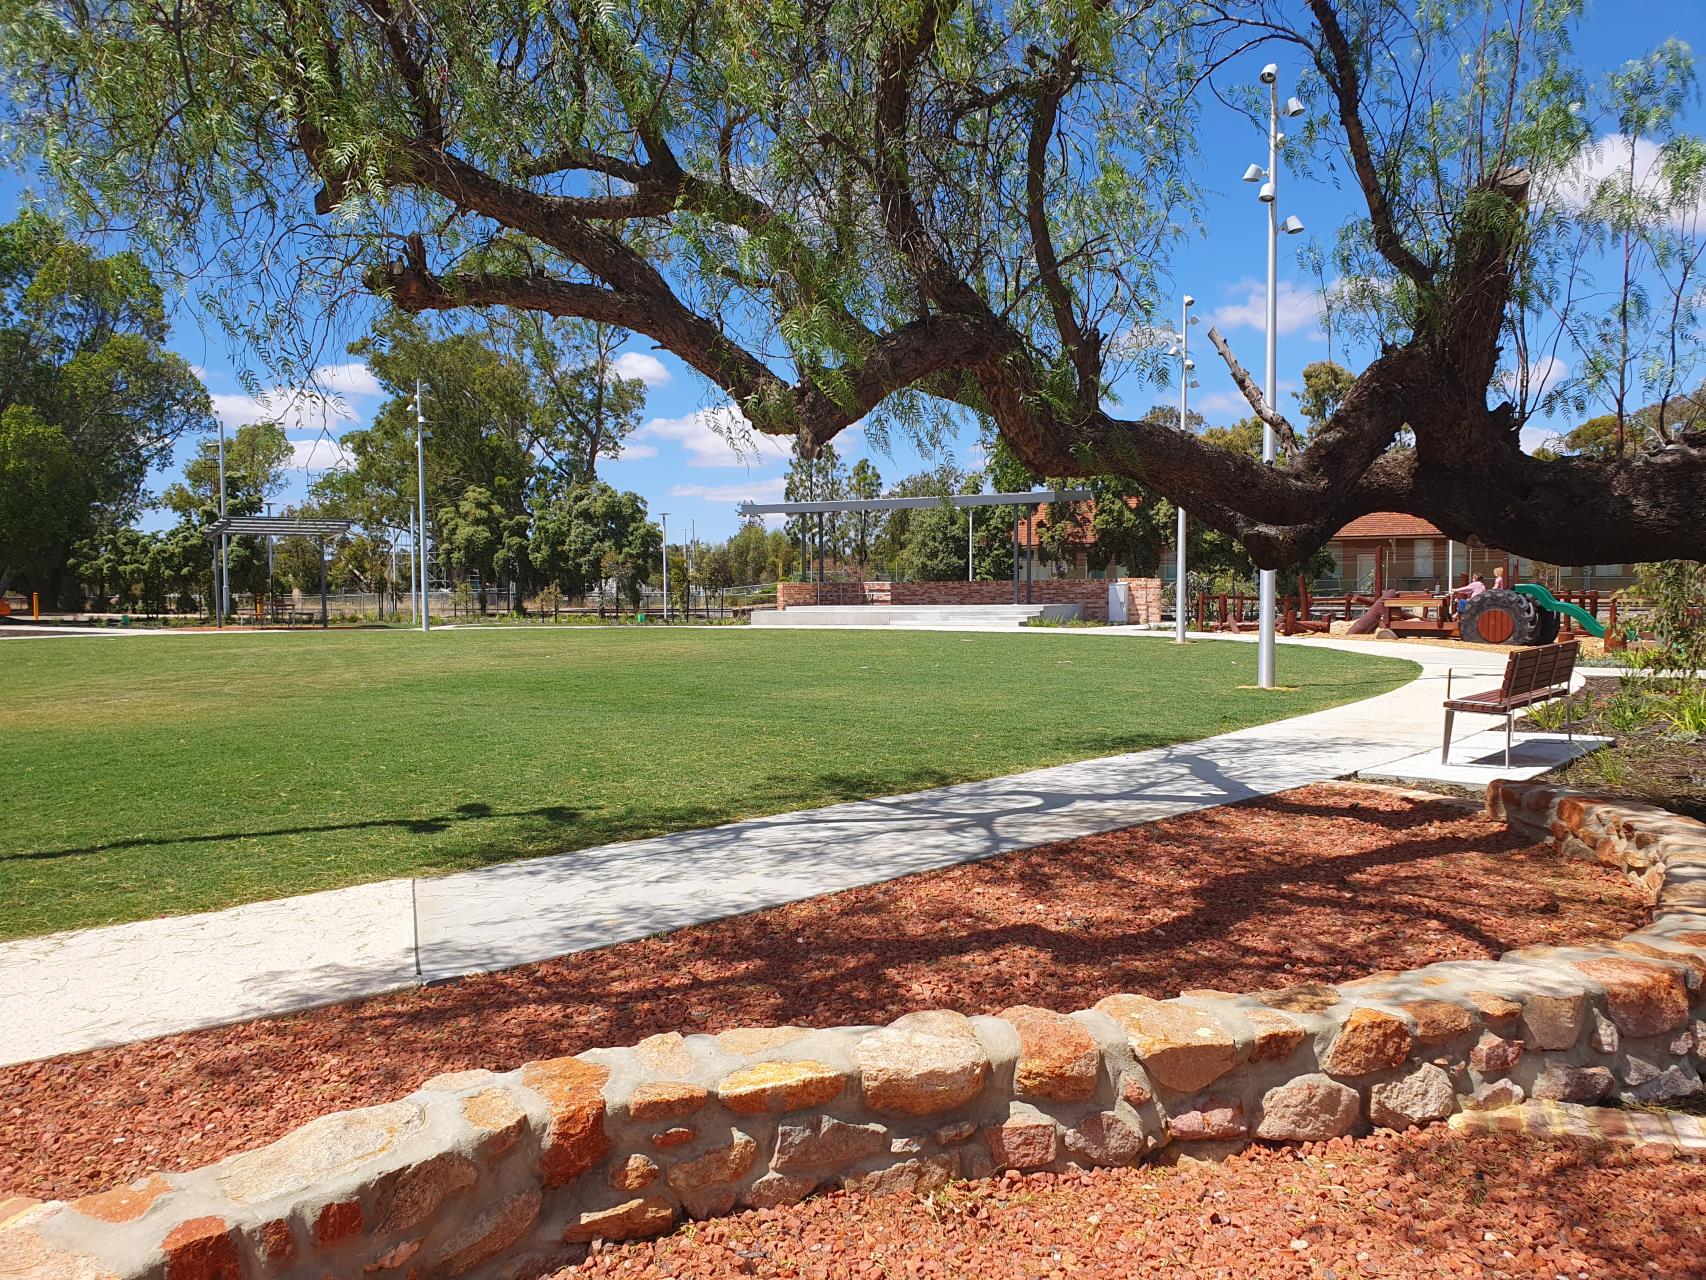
(72, 991)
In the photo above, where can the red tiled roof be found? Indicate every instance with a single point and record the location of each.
(1388, 524)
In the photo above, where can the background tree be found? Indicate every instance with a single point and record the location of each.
(865, 483)
(89, 397)
(593, 534)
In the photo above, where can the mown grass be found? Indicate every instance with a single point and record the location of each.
(149, 776)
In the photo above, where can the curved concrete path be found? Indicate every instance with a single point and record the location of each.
(80, 990)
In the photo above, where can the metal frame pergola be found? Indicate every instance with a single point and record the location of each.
(278, 527)
(1032, 499)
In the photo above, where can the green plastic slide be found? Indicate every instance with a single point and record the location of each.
(1546, 600)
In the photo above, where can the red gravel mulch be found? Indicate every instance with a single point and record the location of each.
(1321, 884)
(1432, 1205)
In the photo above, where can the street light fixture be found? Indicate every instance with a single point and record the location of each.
(1265, 594)
(1181, 350)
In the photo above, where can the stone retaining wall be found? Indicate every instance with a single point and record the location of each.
(507, 1174)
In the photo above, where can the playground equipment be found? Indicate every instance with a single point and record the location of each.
(1525, 614)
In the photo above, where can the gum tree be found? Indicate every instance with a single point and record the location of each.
(884, 211)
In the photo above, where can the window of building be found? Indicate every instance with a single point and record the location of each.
(1422, 557)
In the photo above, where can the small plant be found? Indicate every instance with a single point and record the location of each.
(1550, 717)
(1685, 711)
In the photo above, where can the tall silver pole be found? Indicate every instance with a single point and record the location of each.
(1267, 577)
(968, 544)
(224, 539)
(665, 566)
(414, 566)
(420, 481)
(1180, 602)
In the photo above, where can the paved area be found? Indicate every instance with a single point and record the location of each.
(1674, 1130)
(80, 990)
(1479, 758)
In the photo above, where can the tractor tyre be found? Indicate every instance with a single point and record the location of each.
(1546, 625)
(1498, 617)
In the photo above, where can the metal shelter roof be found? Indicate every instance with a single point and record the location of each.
(277, 527)
(1033, 498)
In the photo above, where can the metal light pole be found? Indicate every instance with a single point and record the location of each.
(1186, 320)
(665, 516)
(224, 575)
(1269, 194)
(420, 482)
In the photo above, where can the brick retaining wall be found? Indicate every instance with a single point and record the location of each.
(1144, 594)
(482, 1174)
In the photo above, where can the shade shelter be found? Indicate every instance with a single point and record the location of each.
(1020, 502)
(280, 527)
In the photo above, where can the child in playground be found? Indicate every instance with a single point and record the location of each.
(1464, 594)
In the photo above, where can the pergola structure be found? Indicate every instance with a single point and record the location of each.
(1030, 500)
(279, 527)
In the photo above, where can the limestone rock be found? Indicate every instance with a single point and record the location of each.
(1494, 1007)
(416, 1194)
(720, 1164)
(911, 1177)
(1493, 1055)
(1561, 1083)
(1025, 1140)
(775, 1189)
(1215, 1121)
(952, 1134)
(666, 1054)
(1680, 1080)
(1105, 1138)
(1370, 1040)
(1439, 1021)
(634, 1174)
(1419, 1098)
(1183, 1047)
(1058, 1060)
(631, 1220)
(1308, 1109)
(489, 1233)
(1642, 999)
(319, 1151)
(780, 1086)
(665, 1100)
(1605, 1038)
(1494, 1094)
(921, 1064)
(825, 1140)
(123, 1204)
(1553, 1022)
(1277, 1036)
(744, 1040)
(574, 1097)
(1307, 998)
(498, 1118)
(202, 1249)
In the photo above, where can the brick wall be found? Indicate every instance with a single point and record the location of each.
(1144, 594)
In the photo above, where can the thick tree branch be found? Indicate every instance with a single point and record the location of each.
(1247, 387)
(1340, 71)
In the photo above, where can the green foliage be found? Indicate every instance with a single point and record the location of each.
(91, 396)
(1675, 591)
(591, 534)
(1325, 385)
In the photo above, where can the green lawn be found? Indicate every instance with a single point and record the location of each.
(155, 775)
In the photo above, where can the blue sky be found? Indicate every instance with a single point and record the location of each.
(680, 464)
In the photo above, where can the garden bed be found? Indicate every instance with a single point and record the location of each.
(1652, 759)
(1431, 1205)
(1321, 884)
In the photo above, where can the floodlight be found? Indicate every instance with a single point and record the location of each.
(1270, 73)
(1196, 319)
(1266, 194)
(1194, 384)
(1190, 301)
(1255, 173)
(1291, 226)
(1292, 108)
(1190, 363)
(1172, 351)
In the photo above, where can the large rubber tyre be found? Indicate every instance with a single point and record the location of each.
(1498, 617)
(1545, 624)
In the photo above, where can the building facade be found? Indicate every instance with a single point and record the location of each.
(1418, 557)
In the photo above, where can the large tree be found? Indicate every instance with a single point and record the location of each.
(871, 209)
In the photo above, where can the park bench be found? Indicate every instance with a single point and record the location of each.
(1532, 675)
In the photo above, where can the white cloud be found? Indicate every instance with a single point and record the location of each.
(764, 489)
(638, 364)
(324, 404)
(318, 454)
(1297, 309)
(719, 437)
(632, 452)
(1609, 157)
(1543, 375)
(1220, 403)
